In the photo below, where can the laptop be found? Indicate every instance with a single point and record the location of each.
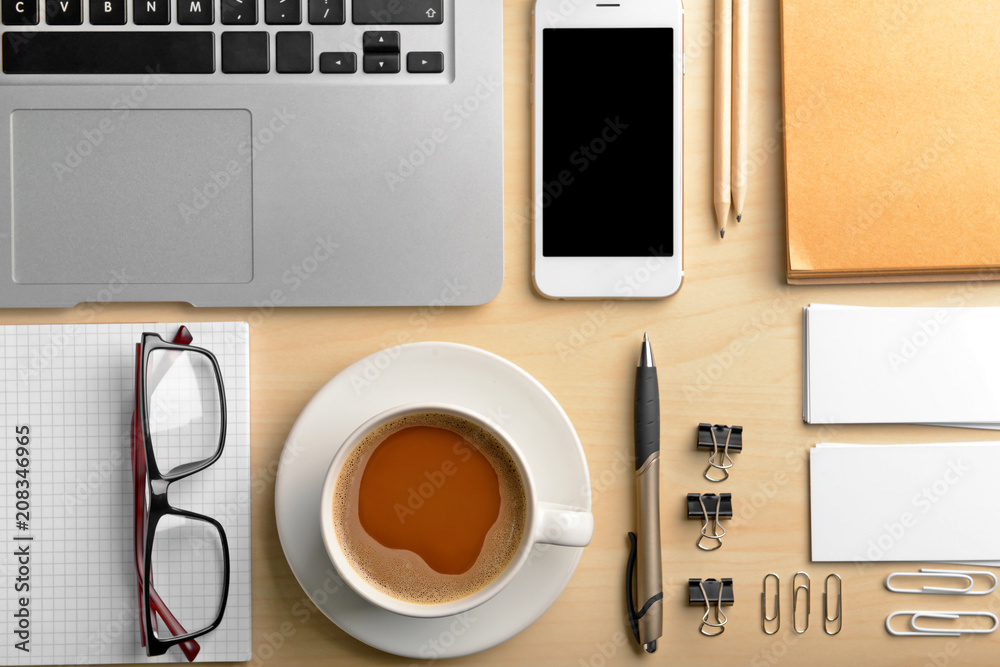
(251, 153)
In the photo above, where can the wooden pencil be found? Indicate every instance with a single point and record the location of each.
(723, 112)
(741, 103)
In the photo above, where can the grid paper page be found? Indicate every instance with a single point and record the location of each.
(73, 386)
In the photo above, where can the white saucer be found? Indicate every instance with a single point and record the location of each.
(448, 373)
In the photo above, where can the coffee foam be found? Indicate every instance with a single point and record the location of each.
(402, 574)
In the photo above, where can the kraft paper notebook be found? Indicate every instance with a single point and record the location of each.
(892, 140)
(73, 387)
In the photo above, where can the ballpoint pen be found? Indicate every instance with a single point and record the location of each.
(644, 556)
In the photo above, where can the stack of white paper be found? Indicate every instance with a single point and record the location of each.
(901, 366)
(904, 502)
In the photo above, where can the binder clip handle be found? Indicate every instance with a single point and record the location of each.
(710, 508)
(713, 594)
(709, 437)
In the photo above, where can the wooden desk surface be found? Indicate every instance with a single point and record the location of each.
(729, 351)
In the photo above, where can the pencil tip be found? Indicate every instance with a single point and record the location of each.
(645, 338)
(722, 234)
(739, 217)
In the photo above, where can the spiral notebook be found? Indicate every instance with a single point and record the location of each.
(70, 390)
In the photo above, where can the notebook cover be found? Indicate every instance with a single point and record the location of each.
(811, 278)
(892, 138)
(71, 388)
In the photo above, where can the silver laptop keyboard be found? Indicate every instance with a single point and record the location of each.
(225, 37)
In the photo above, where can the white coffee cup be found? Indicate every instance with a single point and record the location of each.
(547, 523)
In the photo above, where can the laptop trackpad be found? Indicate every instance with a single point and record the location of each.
(136, 196)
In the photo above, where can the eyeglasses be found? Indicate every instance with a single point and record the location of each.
(178, 430)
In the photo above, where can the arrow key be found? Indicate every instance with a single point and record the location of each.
(338, 62)
(381, 41)
(381, 63)
(425, 62)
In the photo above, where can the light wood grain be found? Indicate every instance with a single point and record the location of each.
(728, 347)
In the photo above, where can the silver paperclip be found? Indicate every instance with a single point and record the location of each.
(764, 618)
(723, 466)
(716, 535)
(807, 587)
(918, 630)
(720, 616)
(964, 576)
(837, 618)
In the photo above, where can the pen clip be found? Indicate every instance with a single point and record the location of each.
(633, 615)
(633, 618)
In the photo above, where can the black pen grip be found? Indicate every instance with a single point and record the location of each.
(647, 414)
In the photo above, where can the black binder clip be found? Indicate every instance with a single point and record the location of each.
(728, 438)
(714, 595)
(711, 509)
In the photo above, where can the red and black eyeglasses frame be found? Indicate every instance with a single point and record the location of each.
(151, 484)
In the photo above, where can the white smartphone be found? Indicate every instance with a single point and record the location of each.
(607, 130)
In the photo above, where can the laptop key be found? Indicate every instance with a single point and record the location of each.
(382, 63)
(397, 12)
(282, 12)
(19, 12)
(238, 12)
(195, 12)
(107, 12)
(65, 12)
(326, 12)
(380, 41)
(89, 52)
(245, 53)
(149, 12)
(338, 62)
(293, 52)
(425, 62)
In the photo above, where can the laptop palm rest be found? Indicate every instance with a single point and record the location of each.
(134, 196)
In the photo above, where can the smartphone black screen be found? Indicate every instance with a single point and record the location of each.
(607, 142)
